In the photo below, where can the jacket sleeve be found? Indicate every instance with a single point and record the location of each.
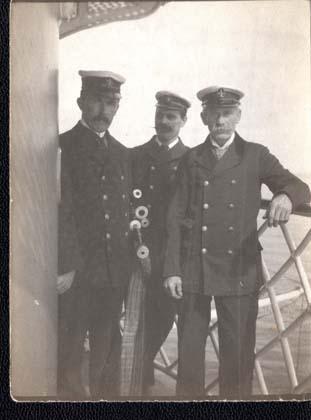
(176, 214)
(281, 181)
(69, 255)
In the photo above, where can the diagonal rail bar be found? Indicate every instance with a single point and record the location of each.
(260, 377)
(291, 260)
(299, 266)
(285, 333)
(280, 326)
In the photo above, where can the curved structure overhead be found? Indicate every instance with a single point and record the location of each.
(76, 16)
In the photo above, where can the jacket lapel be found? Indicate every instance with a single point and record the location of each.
(204, 156)
(113, 147)
(89, 149)
(174, 153)
(153, 150)
(86, 145)
(159, 156)
(231, 158)
(178, 150)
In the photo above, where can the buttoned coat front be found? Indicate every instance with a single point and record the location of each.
(212, 221)
(94, 208)
(154, 173)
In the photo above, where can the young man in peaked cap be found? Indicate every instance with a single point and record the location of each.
(213, 249)
(94, 263)
(154, 170)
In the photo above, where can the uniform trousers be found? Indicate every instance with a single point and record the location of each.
(160, 311)
(237, 338)
(97, 311)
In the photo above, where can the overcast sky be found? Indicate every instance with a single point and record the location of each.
(259, 47)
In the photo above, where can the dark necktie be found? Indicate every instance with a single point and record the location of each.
(164, 148)
(163, 153)
(218, 153)
(102, 142)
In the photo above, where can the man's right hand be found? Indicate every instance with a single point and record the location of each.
(173, 286)
(64, 282)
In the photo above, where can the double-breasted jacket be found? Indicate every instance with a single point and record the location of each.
(212, 238)
(94, 208)
(154, 173)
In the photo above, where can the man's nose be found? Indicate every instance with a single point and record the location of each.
(103, 105)
(164, 120)
(219, 119)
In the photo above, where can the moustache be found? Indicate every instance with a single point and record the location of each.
(102, 118)
(162, 127)
(220, 130)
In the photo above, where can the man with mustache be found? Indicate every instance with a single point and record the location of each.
(154, 170)
(94, 262)
(213, 248)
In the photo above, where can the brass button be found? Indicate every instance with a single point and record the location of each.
(204, 250)
(151, 187)
(105, 197)
(123, 196)
(230, 228)
(152, 168)
(108, 236)
(107, 217)
(233, 181)
(206, 183)
(103, 177)
(204, 228)
(241, 284)
(175, 168)
(205, 206)
(122, 177)
(231, 205)
(229, 252)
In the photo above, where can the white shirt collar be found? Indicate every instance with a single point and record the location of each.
(171, 144)
(224, 146)
(100, 135)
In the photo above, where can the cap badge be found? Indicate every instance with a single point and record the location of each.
(221, 93)
(109, 83)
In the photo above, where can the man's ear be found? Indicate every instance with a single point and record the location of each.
(116, 108)
(80, 103)
(203, 118)
(238, 115)
(184, 119)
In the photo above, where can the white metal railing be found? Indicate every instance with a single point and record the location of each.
(273, 301)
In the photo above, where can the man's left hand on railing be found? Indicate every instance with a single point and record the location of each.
(279, 210)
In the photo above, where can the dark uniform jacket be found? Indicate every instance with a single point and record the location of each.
(212, 221)
(94, 208)
(154, 173)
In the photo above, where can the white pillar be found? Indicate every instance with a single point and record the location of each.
(34, 130)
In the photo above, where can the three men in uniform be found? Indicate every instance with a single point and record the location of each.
(202, 236)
